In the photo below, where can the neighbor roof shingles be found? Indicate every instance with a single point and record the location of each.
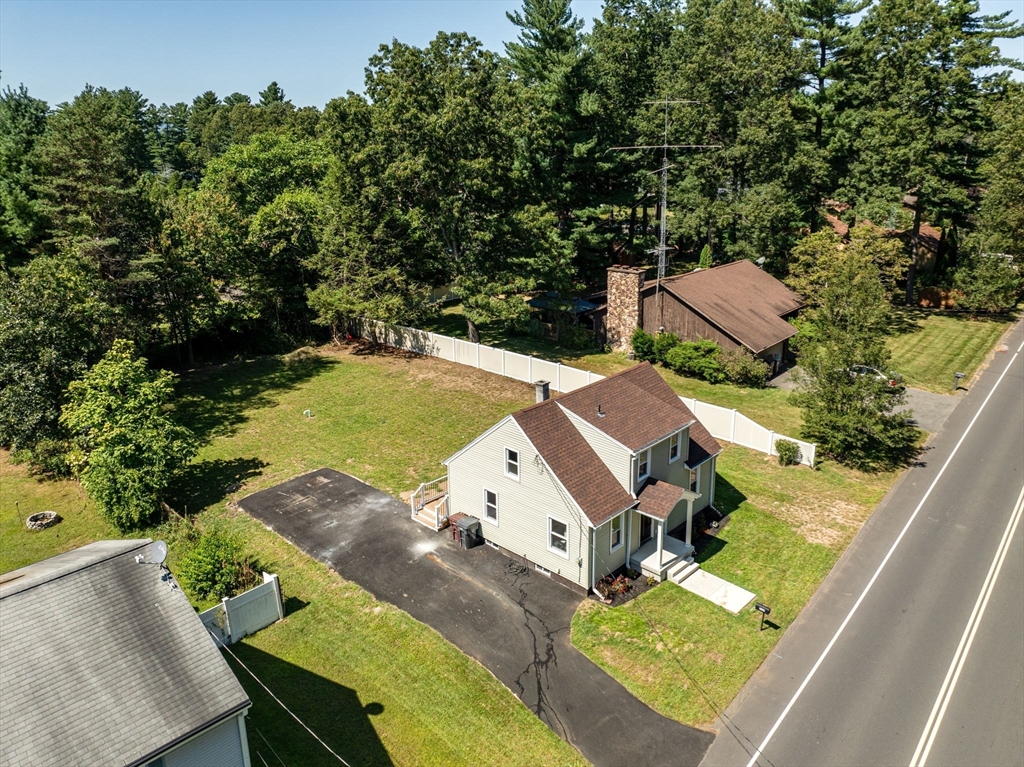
(744, 301)
(104, 664)
(575, 464)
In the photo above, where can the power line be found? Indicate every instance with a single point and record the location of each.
(224, 647)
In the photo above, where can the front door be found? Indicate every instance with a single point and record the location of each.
(646, 528)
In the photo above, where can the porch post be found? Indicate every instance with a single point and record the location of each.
(661, 539)
(689, 520)
(629, 525)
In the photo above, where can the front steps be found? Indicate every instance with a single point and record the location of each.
(683, 570)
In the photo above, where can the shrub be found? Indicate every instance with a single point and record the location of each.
(216, 567)
(705, 258)
(743, 368)
(643, 345)
(789, 452)
(696, 358)
(987, 283)
(663, 344)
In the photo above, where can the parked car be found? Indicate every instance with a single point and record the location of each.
(891, 377)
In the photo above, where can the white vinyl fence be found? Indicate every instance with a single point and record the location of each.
(237, 617)
(723, 423)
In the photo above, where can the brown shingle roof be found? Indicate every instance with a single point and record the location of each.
(583, 474)
(638, 407)
(744, 301)
(702, 445)
(658, 498)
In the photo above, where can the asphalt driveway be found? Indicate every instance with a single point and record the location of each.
(512, 620)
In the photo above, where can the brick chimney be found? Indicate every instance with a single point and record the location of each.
(625, 307)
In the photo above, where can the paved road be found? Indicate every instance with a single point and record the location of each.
(857, 677)
(511, 619)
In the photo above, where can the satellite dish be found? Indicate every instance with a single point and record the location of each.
(158, 552)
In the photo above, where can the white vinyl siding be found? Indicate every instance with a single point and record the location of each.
(220, 745)
(617, 458)
(523, 506)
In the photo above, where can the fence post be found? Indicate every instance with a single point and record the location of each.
(732, 429)
(225, 603)
(529, 369)
(478, 355)
(558, 376)
(503, 363)
(771, 442)
(590, 377)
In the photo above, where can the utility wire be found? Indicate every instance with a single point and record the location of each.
(270, 747)
(282, 705)
(707, 696)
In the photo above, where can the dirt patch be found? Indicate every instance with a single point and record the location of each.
(824, 521)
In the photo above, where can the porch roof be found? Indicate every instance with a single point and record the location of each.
(658, 498)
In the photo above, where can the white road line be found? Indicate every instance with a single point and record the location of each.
(931, 729)
(860, 599)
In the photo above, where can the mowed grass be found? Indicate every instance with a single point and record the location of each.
(770, 407)
(378, 686)
(928, 348)
(686, 657)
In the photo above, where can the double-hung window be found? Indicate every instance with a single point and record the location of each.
(558, 536)
(512, 463)
(491, 506)
(673, 446)
(693, 481)
(643, 465)
(616, 532)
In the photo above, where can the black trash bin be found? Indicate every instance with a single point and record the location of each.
(470, 534)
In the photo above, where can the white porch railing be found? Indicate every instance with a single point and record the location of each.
(723, 423)
(431, 499)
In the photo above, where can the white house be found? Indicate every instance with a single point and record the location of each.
(590, 481)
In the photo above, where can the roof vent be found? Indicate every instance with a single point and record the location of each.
(600, 412)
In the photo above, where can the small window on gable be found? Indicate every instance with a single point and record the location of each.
(693, 480)
(491, 506)
(558, 536)
(512, 463)
(673, 446)
(616, 532)
(643, 465)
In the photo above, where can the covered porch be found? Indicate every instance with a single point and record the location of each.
(660, 555)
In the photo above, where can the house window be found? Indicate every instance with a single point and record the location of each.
(512, 463)
(558, 536)
(491, 506)
(643, 465)
(673, 447)
(616, 534)
(693, 480)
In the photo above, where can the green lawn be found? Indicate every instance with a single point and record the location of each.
(788, 526)
(928, 347)
(769, 407)
(376, 685)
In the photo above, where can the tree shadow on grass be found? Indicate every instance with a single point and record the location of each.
(213, 402)
(201, 485)
(331, 710)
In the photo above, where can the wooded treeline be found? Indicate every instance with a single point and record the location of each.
(230, 223)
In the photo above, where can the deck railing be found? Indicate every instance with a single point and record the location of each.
(427, 492)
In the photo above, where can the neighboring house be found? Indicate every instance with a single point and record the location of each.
(103, 661)
(584, 484)
(736, 304)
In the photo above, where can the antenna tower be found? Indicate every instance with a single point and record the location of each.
(664, 146)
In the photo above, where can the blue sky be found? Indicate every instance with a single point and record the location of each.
(172, 51)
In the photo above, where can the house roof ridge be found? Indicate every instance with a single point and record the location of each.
(39, 574)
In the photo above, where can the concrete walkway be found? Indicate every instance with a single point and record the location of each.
(717, 590)
(512, 620)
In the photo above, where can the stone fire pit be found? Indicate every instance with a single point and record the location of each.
(42, 520)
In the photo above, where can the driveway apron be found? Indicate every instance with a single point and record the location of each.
(513, 620)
